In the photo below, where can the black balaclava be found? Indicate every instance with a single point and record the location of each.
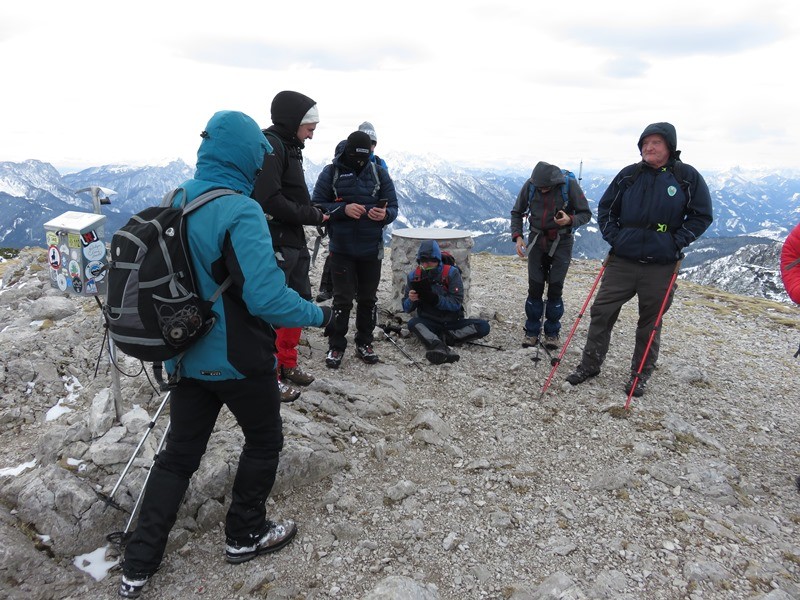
(357, 150)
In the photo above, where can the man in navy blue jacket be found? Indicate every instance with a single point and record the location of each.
(359, 197)
(651, 211)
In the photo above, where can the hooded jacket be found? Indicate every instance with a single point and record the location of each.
(541, 208)
(339, 185)
(450, 306)
(648, 215)
(229, 236)
(281, 188)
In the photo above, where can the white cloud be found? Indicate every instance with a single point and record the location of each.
(96, 82)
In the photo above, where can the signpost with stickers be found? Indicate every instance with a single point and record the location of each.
(76, 252)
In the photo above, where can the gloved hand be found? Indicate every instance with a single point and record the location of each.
(429, 297)
(327, 316)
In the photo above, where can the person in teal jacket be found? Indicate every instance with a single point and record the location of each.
(233, 365)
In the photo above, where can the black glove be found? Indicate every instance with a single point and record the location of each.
(421, 286)
(327, 315)
(429, 297)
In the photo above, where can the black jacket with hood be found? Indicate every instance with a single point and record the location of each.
(281, 188)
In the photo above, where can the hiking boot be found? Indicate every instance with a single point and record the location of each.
(530, 341)
(551, 342)
(581, 374)
(296, 375)
(275, 538)
(641, 385)
(131, 585)
(334, 358)
(288, 393)
(324, 295)
(441, 354)
(366, 353)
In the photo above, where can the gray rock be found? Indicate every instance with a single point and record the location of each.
(397, 587)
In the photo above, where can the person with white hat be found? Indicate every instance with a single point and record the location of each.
(282, 192)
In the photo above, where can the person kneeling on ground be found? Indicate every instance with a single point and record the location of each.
(435, 291)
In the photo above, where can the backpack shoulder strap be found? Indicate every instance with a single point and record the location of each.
(377, 177)
(203, 199)
(334, 180)
(565, 188)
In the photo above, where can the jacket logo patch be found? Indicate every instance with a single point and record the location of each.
(672, 190)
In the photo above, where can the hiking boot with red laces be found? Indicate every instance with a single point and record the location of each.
(296, 375)
(366, 353)
(274, 538)
(334, 358)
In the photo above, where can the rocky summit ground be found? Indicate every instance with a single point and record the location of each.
(415, 481)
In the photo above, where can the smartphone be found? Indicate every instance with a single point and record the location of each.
(382, 203)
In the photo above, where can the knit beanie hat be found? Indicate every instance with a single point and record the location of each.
(665, 130)
(367, 128)
(312, 116)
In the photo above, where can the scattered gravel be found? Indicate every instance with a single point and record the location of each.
(458, 481)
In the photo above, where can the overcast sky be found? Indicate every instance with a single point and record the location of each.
(89, 83)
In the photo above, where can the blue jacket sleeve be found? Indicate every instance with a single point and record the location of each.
(408, 305)
(323, 196)
(250, 260)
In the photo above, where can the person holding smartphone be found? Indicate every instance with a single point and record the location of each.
(360, 199)
(554, 203)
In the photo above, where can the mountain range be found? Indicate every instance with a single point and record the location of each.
(753, 209)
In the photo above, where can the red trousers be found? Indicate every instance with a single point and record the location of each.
(286, 342)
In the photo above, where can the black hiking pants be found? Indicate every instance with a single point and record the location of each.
(353, 279)
(622, 280)
(194, 407)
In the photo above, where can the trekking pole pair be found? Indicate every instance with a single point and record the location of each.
(557, 361)
(385, 329)
(120, 538)
(653, 334)
(109, 498)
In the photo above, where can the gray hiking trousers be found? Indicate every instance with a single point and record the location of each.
(622, 280)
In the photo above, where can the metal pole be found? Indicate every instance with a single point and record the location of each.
(116, 389)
